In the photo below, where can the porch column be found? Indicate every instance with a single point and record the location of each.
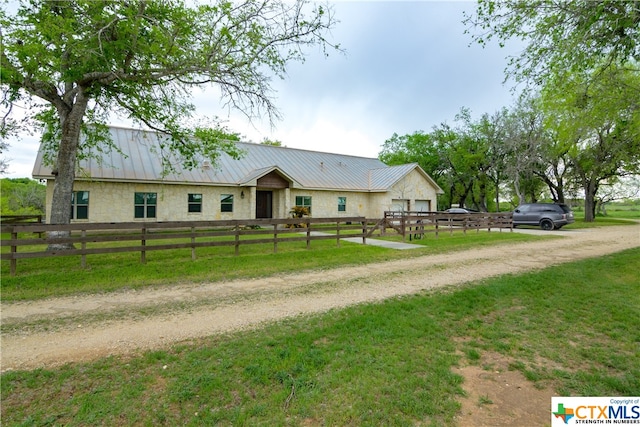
(287, 202)
(252, 202)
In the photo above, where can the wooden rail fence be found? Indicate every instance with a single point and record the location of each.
(185, 234)
(416, 224)
(103, 238)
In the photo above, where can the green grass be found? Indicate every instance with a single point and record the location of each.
(613, 218)
(573, 328)
(623, 211)
(58, 276)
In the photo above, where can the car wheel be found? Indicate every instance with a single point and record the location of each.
(546, 224)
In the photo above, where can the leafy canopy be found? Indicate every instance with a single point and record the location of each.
(141, 60)
(562, 36)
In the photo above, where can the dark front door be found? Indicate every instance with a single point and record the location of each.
(264, 202)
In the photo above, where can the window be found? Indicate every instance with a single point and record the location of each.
(342, 204)
(304, 202)
(145, 205)
(194, 203)
(80, 205)
(226, 203)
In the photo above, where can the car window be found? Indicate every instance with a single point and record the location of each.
(523, 208)
(565, 208)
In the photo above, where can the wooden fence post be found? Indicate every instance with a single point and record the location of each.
(14, 262)
(275, 238)
(308, 223)
(338, 233)
(237, 239)
(193, 243)
(364, 232)
(83, 245)
(143, 243)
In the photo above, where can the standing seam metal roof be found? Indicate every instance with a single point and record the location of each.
(306, 169)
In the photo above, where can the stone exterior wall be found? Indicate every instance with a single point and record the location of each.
(114, 202)
(411, 193)
(324, 204)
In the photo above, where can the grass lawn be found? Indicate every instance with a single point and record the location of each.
(573, 328)
(58, 276)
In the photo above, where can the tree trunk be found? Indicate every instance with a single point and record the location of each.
(590, 190)
(482, 202)
(497, 182)
(516, 187)
(65, 170)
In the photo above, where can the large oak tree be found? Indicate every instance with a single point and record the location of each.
(575, 36)
(73, 63)
(586, 54)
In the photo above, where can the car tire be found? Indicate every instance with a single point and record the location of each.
(546, 225)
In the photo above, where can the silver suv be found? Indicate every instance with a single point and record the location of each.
(548, 216)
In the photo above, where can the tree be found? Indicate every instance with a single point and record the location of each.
(22, 196)
(600, 122)
(530, 157)
(460, 159)
(4, 162)
(563, 36)
(419, 147)
(86, 59)
(274, 143)
(619, 188)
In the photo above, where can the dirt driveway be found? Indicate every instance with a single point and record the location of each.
(59, 330)
(87, 327)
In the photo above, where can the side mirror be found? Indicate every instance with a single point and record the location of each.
(517, 211)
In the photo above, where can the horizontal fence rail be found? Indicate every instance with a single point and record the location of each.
(141, 236)
(415, 224)
(11, 219)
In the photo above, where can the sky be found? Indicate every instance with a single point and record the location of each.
(407, 66)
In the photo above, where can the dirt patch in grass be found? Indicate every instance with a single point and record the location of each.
(497, 396)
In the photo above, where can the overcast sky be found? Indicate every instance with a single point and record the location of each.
(408, 66)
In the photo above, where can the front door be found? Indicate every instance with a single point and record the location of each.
(264, 204)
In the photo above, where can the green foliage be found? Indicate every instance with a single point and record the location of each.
(22, 196)
(562, 37)
(89, 60)
(599, 123)
(299, 211)
(583, 55)
(464, 159)
(4, 163)
(275, 142)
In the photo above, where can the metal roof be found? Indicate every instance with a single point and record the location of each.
(138, 158)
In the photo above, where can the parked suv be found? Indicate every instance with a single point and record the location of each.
(548, 216)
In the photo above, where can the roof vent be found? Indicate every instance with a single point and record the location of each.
(206, 164)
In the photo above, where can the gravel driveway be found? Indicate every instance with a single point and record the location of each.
(54, 331)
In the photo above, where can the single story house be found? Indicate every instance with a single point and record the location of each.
(128, 184)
